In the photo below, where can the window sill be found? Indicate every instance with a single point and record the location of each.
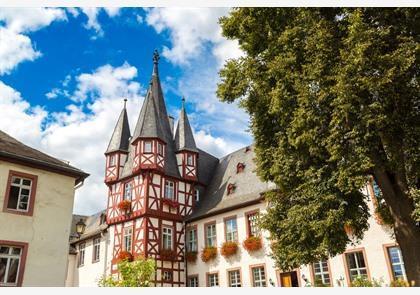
(17, 212)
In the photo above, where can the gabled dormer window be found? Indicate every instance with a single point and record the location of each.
(231, 188)
(111, 160)
(190, 160)
(247, 149)
(147, 147)
(240, 167)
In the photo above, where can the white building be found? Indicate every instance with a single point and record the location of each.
(36, 197)
(179, 195)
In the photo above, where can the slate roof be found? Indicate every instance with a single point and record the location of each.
(93, 226)
(13, 149)
(184, 138)
(248, 186)
(120, 138)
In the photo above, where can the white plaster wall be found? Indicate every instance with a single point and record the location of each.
(71, 265)
(47, 231)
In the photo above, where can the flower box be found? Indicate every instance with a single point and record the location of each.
(208, 254)
(167, 254)
(252, 244)
(125, 255)
(170, 203)
(124, 205)
(229, 249)
(191, 256)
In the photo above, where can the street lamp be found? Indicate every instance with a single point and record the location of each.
(80, 227)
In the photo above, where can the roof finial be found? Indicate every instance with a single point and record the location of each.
(125, 102)
(155, 62)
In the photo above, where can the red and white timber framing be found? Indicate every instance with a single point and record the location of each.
(187, 164)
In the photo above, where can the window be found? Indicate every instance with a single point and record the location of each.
(231, 230)
(160, 149)
(231, 188)
(192, 240)
(356, 265)
(96, 249)
(190, 160)
(10, 265)
(128, 238)
(258, 276)
(21, 192)
(240, 167)
(128, 189)
(253, 229)
(212, 279)
(111, 160)
(196, 195)
(169, 189)
(167, 276)
(147, 148)
(193, 281)
(397, 263)
(167, 238)
(234, 278)
(211, 235)
(247, 149)
(321, 273)
(81, 261)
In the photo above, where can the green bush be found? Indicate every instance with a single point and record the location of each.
(363, 281)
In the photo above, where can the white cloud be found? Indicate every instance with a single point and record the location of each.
(92, 14)
(216, 146)
(190, 30)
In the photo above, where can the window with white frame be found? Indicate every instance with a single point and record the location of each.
(96, 249)
(356, 265)
(167, 238)
(211, 235)
(213, 279)
(169, 189)
(111, 160)
(258, 277)
(321, 273)
(397, 263)
(147, 147)
(128, 189)
(234, 278)
(81, 260)
(193, 281)
(192, 240)
(19, 194)
(196, 195)
(190, 160)
(167, 275)
(231, 230)
(253, 229)
(128, 238)
(10, 260)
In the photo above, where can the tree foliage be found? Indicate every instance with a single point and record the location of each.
(333, 97)
(138, 273)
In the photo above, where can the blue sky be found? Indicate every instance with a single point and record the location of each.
(64, 73)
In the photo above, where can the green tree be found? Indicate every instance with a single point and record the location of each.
(138, 273)
(333, 97)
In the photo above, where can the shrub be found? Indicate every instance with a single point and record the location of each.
(191, 256)
(124, 205)
(208, 253)
(229, 249)
(400, 283)
(252, 244)
(125, 255)
(167, 254)
(363, 281)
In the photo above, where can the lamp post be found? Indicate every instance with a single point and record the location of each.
(80, 227)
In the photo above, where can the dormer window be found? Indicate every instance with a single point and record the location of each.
(169, 189)
(247, 149)
(160, 149)
(111, 160)
(240, 167)
(231, 188)
(196, 195)
(147, 147)
(190, 160)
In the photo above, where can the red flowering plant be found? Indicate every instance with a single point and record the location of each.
(208, 254)
(229, 249)
(167, 254)
(191, 256)
(252, 244)
(170, 202)
(124, 205)
(125, 255)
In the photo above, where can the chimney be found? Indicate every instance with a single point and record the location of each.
(171, 124)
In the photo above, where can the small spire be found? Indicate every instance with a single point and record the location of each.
(125, 102)
(183, 101)
(155, 62)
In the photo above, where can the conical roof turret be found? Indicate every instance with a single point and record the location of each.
(184, 138)
(120, 138)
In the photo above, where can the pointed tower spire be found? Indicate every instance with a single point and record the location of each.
(155, 63)
(184, 138)
(121, 136)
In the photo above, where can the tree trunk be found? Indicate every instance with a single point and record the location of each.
(407, 233)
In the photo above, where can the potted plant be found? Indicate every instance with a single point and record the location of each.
(124, 205)
(252, 244)
(167, 254)
(208, 254)
(125, 255)
(229, 249)
(191, 256)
